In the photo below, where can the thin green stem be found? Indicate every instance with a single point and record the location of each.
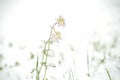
(72, 74)
(45, 72)
(37, 74)
(108, 73)
(47, 55)
(44, 52)
(88, 63)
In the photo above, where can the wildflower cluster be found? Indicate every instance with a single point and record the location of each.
(54, 35)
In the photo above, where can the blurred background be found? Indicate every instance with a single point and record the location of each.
(89, 49)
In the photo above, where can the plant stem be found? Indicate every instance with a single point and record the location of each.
(45, 54)
(107, 72)
(88, 63)
(45, 72)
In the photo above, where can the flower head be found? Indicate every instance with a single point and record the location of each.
(60, 21)
(57, 35)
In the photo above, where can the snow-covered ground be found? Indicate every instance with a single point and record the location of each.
(25, 23)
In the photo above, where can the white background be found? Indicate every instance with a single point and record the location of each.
(26, 23)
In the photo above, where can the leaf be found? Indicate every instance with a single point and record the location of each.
(32, 56)
(33, 70)
(88, 74)
(52, 65)
(50, 42)
(59, 62)
(37, 63)
(1, 68)
(44, 51)
(17, 63)
(10, 44)
(43, 63)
